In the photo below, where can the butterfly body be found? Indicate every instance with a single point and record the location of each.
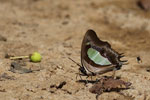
(97, 56)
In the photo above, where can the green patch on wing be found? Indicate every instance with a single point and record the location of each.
(96, 57)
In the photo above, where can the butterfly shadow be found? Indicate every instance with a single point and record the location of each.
(87, 81)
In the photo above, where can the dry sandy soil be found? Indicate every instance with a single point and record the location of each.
(55, 28)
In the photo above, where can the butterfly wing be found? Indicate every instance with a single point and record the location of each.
(97, 56)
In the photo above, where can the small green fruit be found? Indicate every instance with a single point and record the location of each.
(35, 57)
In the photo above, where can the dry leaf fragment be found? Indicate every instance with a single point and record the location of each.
(108, 84)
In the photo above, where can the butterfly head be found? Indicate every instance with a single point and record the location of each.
(82, 70)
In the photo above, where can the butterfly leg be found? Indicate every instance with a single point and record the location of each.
(80, 77)
(87, 79)
(78, 74)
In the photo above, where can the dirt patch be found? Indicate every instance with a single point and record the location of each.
(56, 29)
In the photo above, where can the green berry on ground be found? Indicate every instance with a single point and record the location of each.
(36, 57)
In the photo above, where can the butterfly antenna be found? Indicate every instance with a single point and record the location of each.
(74, 62)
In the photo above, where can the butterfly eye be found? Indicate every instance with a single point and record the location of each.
(82, 69)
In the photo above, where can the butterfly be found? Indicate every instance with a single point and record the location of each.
(97, 56)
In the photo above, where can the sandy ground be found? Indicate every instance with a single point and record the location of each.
(55, 28)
